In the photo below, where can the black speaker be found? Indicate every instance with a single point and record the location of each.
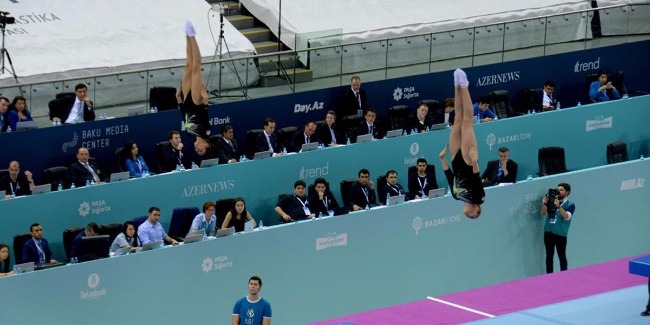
(163, 98)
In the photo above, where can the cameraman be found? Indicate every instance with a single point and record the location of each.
(558, 211)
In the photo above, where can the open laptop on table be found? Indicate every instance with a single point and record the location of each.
(249, 226)
(397, 199)
(262, 155)
(121, 176)
(26, 125)
(438, 126)
(42, 189)
(193, 237)
(364, 138)
(437, 192)
(225, 232)
(309, 146)
(153, 245)
(24, 267)
(209, 162)
(394, 133)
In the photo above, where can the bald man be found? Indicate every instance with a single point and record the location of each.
(15, 184)
(84, 170)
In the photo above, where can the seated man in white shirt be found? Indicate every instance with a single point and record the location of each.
(548, 101)
(152, 231)
(75, 109)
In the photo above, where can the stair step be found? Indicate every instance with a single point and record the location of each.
(301, 75)
(241, 21)
(268, 64)
(265, 47)
(257, 34)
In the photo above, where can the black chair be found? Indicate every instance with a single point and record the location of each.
(221, 209)
(285, 135)
(111, 229)
(55, 105)
(349, 125)
(181, 222)
(381, 183)
(250, 139)
(530, 100)
(137, 221)
(159, 149)
(616, 152)
(551, 161)
(500, 104)
(19, 242)
(3, 173)
(119, 159)
(163, 98)
(398, 116)
(345, 192)
(214, 139)
(68, 237)
(55, 176)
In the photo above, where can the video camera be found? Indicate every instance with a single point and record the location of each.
(5, 19)
(550, 205)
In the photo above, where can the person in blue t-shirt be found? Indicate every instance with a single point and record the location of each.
(252, 309)
(482, 110)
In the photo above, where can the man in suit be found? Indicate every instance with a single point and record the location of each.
(268, 140)
(502, 170)
(227, 146)
(368, 125)
(172, 154)
(420, 122)
(74, 109)
(421, 182)
(4, 119)
(362, 192)
(84, 170)
(322, 200)
(296, 206)
(36, 249)
(307, 136)
(546, 101)
(354, 99)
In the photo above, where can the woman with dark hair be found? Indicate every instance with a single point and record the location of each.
(133, 162)
(128, 238)
(239, 216)
(18, 112)
(5, 259)
(327, 132)
(602, 89)
(206, 221)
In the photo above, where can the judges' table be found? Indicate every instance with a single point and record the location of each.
(369, 259)
(260, 182)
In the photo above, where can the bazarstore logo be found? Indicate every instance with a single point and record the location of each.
(93, 291)
(491, 140)
(316, 106)
(599, 122)
(331, 240)
(419, 223)
(586, 66)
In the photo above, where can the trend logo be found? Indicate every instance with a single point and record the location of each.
(397, 94)
(70, 144)
(84, 208)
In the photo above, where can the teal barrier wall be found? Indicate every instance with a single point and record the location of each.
(320, 269)
(584, 132)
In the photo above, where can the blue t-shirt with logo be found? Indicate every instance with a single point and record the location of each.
(252, 312)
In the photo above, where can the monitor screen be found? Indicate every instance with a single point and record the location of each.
(94, 247)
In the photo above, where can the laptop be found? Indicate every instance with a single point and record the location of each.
(309, 146)
(122, 251)
(225, 232)
(398, 199)
(41, 189)
(394, 133)
(153, 245)
(439, 126)
(437, 193)
(249, 226)
(193, 237)
(209, 162)
(121, 176)
(26, 125)
(364, 138)
(262, 155)
(133, 111)
(24, 268)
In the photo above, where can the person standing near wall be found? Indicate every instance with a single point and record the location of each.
(558, 211)
(252, 309)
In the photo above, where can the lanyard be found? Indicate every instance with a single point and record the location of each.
(422, 185)
(396, 189)
(301, 202)
(326, 202)
(13, 190)
(137, 162)
(365, 192)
